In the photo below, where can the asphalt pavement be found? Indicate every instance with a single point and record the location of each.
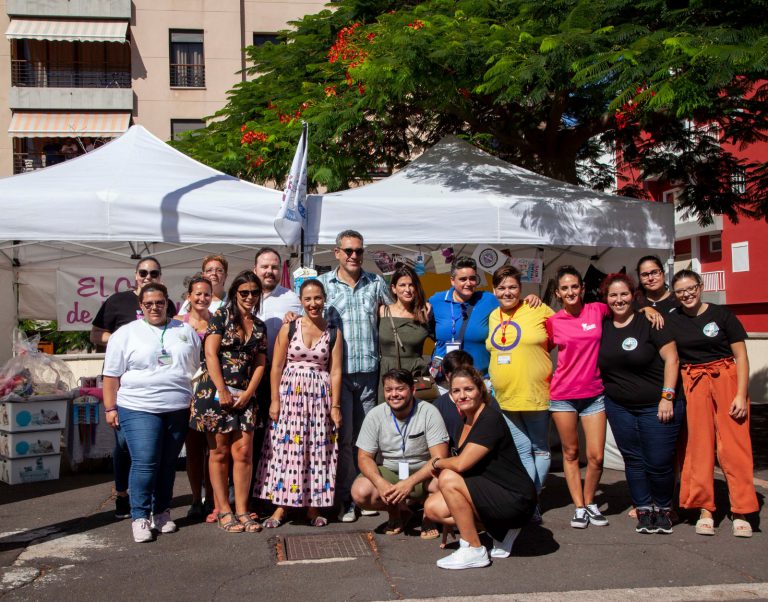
(60, 541)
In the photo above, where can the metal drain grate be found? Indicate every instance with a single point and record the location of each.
(331, 545)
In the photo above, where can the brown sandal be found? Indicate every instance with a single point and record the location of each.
(249, 525)
(230, 526)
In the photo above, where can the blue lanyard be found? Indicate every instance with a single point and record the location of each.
(453, 317)
(405, 428)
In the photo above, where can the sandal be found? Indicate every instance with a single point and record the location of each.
(429, 530)
(706, 526)
(272, 522)
(318, 521)
(213, 516)
(395, 526)
(232, 525)
(249, 525)
(741, 528)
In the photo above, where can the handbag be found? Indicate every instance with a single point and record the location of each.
(425, 387)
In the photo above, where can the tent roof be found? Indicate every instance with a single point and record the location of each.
(136, 188)
(457, 193)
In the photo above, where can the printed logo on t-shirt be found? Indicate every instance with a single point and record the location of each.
(587, 327)
(629, 344)
(711, 329)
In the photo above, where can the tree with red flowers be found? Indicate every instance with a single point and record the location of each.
(546, 84)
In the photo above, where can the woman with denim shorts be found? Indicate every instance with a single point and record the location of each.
(576, 391)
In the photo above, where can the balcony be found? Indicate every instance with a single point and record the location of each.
(41, 86)
(714, 287)
(187, 76)
(688, 227)
(95, 9)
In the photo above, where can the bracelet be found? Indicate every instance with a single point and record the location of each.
(335, 407)
(107, 411)
(434, 463)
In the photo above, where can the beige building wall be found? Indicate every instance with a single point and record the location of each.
(6, 146)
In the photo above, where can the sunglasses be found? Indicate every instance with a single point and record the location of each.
(151, 304)
(150, 273)
(249, 293)
(349, 252)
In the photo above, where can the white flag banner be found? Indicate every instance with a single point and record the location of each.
(292, 215)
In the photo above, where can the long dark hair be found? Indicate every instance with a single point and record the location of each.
(476, 378)
(655, 259)
(419, 298)
(246, 276)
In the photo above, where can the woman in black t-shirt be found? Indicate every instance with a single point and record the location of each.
(485, 482)
(710, 341)
(653, 290)
(639, 367)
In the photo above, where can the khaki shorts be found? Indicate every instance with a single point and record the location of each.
(417, 493)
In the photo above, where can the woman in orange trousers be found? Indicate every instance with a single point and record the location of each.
(715, 371)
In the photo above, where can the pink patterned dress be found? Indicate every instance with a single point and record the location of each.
(298, 461)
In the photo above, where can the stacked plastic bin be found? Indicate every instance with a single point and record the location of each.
(30, 438)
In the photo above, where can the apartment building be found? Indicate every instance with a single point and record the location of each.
(76, 73)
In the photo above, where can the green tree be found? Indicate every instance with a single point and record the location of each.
(545, 84)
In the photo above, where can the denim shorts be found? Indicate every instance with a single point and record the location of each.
(584, 407)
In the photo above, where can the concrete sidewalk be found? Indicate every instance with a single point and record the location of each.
(59, 541)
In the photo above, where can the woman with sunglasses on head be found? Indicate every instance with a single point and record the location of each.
(715, 372)
(235, 356)
(148, 372)
(403, 325)
(653, 290)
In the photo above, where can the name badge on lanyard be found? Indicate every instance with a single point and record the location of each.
(403, 468)
(164, 358)
(452, 346)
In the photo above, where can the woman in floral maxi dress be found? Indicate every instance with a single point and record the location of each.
(298, 462)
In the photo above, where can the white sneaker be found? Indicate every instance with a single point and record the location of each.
(364, 512)
(502, 549)
(348, 513)
(162, 522)
(465, 558)
(142, 533)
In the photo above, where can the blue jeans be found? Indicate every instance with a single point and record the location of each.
(121, 462)
(648, 448)
(359, 393)
(530, 432)
(155, 441)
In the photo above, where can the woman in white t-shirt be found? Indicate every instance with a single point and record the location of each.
(148, 373)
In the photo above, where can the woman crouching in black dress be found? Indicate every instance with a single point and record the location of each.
(485, 481)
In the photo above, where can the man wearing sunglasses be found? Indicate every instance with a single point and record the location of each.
(120, 309)
(354, 297)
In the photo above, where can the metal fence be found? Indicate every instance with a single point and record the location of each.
(25, 74)
(187, 76)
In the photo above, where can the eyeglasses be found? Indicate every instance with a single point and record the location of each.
(151, 304)
(150, 273)
(652, 274)
(681, 292)
(349, 252)
(214, 271)
(249, 293)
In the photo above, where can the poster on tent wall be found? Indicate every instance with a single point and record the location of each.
(530, 268)
(80, 292)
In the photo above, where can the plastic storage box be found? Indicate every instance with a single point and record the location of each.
(15, 471)
(35, 443)
(42, 413)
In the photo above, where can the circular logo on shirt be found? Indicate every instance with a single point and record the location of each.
(711, 329)
(512, 336)
(629, 344)
(488, 258)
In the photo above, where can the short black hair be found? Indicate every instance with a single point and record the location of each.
(399, 375)
(453, 360)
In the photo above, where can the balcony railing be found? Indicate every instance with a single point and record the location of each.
(188, 76)
(713, 281)
(39, 75)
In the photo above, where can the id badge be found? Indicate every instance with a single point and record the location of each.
(452, 346)
(403, 471)
(164, 358)
(503, 359)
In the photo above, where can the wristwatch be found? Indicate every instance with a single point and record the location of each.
(668, 395)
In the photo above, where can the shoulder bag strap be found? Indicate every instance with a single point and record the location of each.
(398, 342)
(465, 323)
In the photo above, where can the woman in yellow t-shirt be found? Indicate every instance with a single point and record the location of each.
(520, 369)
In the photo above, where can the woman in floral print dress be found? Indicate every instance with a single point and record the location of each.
(298, 462)
(223, 407)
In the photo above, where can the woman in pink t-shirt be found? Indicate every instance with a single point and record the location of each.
(576, 390)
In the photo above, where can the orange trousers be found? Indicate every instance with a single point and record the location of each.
(709, 392)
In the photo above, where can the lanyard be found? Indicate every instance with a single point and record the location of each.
(453, 317)
(405, 428)
(504, 324)
(162, 336)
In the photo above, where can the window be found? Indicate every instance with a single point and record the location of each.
(740, 257)
(739, 182)
(715, 243)
(670, 196)
(259, 39)
(187, 59)
(179, 126)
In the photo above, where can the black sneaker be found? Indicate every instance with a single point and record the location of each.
(662, 520)
(645, 521)
(122, 506)
(580, 519)
(595, 516)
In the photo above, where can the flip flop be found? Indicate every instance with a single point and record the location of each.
(706, 526)
(741, 528)
(395, 526)
(429, 530)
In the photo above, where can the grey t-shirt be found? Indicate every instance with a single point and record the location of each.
(379, 434)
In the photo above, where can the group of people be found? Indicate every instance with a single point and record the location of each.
(279, 391)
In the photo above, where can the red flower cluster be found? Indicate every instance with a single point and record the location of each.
(330, 90)
(249, 137)
(464, 92)
(257, 162)
(344, 49)
(417, 24)
(625, 115)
